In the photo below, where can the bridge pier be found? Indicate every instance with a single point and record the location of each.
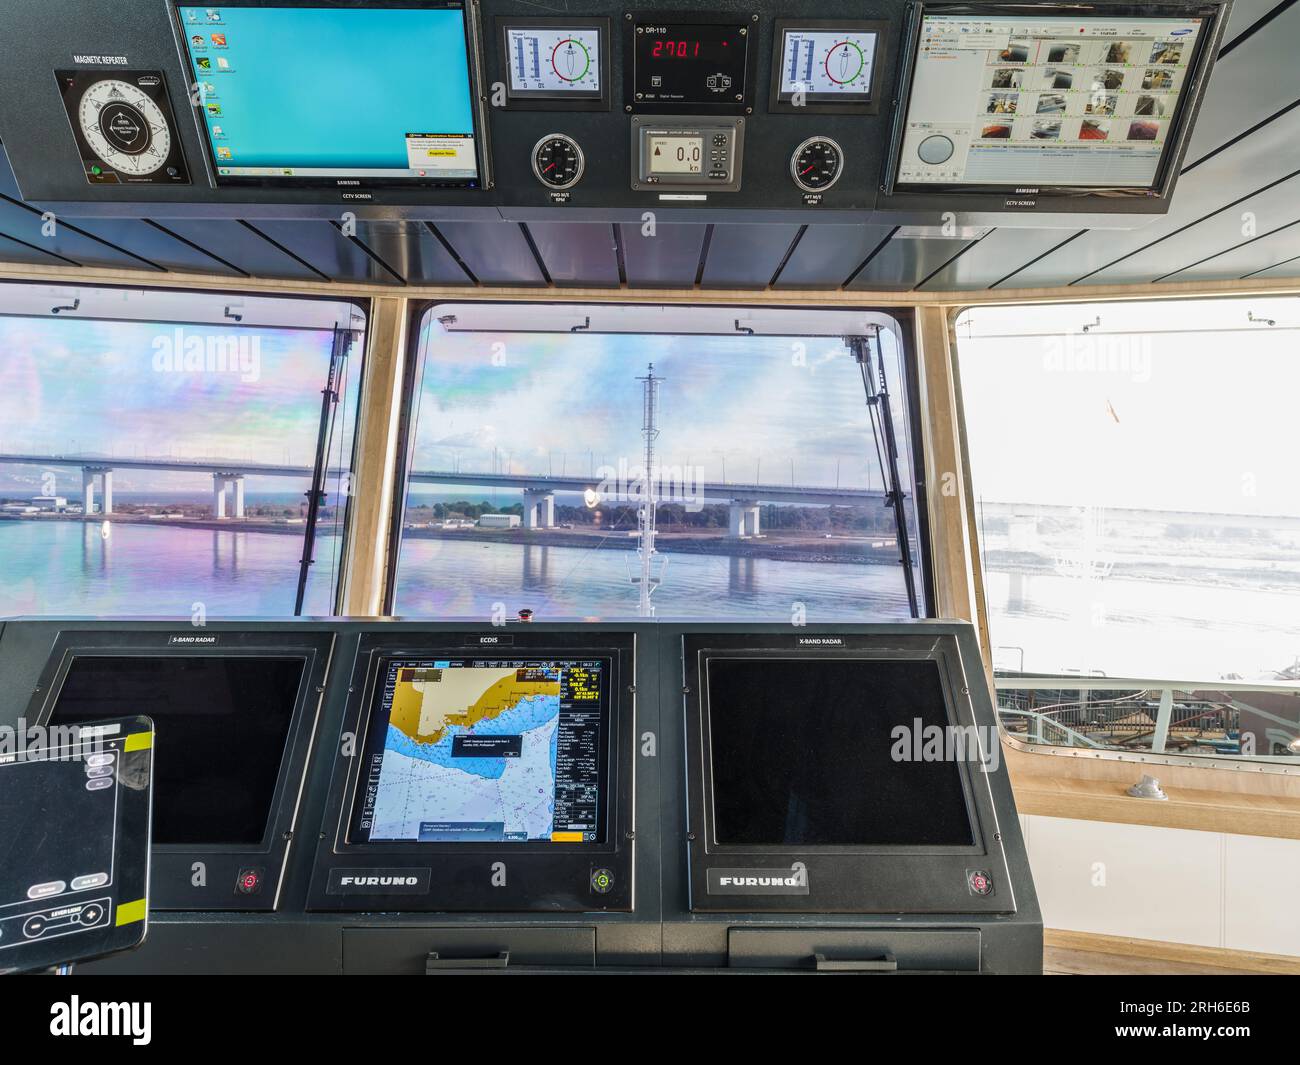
(742, 519)
(539, 508)
(220, 482)
(89, 474)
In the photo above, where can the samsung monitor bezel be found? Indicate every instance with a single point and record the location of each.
(535, 875)
(203, 876)
(969, 196)
(915, 878)
(474, 54)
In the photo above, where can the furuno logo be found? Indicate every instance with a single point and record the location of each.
(377, 882)
(759, 881)
(121, 1019)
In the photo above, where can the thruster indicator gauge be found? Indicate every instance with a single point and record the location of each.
(558, 162)
(817, 164)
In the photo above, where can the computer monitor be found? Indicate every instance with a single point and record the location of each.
(1014, 101)
(485, 750)
(222, 724)
(516, 749)
(233, 712)
(74, 850)
(297, 93)
(838, 773)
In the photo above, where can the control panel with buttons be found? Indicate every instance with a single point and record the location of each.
(695, 156)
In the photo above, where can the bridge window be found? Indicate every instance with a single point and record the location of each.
(527, 452)
(1139, 520)
(157, 449)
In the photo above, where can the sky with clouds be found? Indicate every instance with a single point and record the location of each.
(85, 386)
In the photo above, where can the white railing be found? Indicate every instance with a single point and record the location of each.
(1220, 718)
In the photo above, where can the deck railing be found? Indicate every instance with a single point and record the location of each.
(1235, 719)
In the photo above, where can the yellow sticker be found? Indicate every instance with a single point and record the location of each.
(138, 741)
(130, 912)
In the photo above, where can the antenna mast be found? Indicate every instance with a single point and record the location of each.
(646, 516)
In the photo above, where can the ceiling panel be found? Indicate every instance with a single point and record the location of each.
(154, 244)
(412, 250)
(904, 262)
(1276, 207)
(238, 244)
(827, 255)
(746, 256)
(577, 253)
(1245, 13)
(1000, 253)
(496, 253)
(1267, 250)
(669, 257)
(22, 223)
(323, 246)
(1284, 270)
(1266, 156)
(1256, 79)
(13, 251)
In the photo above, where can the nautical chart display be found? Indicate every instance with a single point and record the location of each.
(123, 125)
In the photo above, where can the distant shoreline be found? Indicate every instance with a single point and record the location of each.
(787, 547)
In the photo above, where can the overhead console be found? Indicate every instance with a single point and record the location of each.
(411, 797)
(903, 111)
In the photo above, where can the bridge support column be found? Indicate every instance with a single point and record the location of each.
(539, 509)
(742, 520)
(89, 474)
(220, 483)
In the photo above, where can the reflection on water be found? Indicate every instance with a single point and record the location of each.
(460, 577)
(66, 567)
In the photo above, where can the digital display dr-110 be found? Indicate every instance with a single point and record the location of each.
(691, 65)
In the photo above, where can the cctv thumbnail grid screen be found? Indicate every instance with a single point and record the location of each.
(1085, 102)
(474, 750)
(350, 94)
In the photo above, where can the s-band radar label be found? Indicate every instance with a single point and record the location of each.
(123, 127)
(558, 162)
(817, 164)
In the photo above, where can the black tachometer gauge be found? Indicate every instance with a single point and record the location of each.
(817, 164)
(558, 162)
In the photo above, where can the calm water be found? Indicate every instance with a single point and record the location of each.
(449, 577)
(64, 567)
(1192, 626)
(68, 567)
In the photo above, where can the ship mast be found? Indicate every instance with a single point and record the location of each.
(646, 515)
